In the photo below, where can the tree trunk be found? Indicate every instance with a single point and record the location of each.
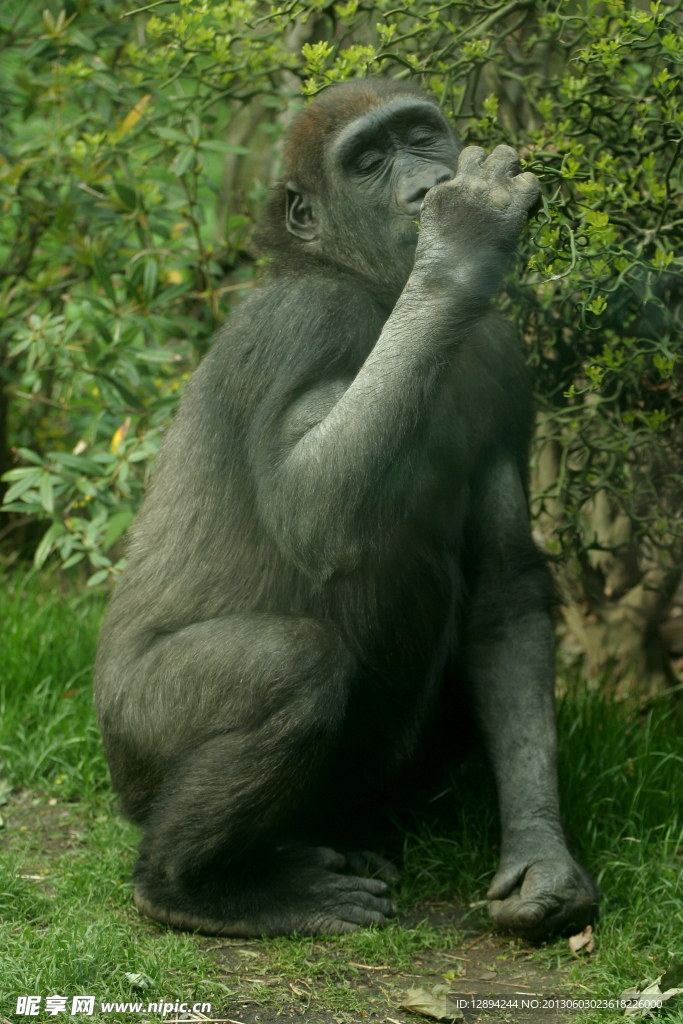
(621, 618)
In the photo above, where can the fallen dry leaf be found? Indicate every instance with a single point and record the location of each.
(583, 940)
(138, 980)
(660, 990)
(429, 1004)
(654, 993)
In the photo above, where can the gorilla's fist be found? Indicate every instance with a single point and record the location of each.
(471, 223)
(540, 892)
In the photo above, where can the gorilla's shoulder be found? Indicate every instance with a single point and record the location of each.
(290, 333)
(303, 313)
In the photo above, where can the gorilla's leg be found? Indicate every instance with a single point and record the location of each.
(219, 851)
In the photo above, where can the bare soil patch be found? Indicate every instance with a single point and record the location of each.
(494, 969)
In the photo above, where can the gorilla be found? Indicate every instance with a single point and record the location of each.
(334, 561)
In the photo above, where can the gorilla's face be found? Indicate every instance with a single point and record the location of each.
(378, 169)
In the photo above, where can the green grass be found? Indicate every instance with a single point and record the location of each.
(621, 775)
(48, 733)
(76, 931)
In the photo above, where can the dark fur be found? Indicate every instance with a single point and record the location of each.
(294, 605)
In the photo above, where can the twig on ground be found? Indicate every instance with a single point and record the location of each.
(479, 938)
(367, 967)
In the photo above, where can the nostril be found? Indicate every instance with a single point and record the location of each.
(418, 195)
(412, 193)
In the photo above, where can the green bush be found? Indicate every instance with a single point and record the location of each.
(113, 266)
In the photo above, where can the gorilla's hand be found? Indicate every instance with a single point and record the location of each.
(472, 222)
(536, 892)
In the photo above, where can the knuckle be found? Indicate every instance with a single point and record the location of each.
(477, 186)
(473, 152)
(470, 158)
(500, 197)
(529, 180)
(506, 151)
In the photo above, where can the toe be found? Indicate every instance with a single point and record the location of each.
(382, 867)
(330, 859)
(364, 916)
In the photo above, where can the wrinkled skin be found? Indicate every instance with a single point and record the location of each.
(543, 892)
(334, 559)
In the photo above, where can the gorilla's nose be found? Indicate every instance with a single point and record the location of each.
(414, 187)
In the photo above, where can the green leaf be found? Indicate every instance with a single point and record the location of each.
(77, 463)
(98, 559)
(126, 194)
(48, 539)
(216, 146)
(154, 355)
(169, 295)
(47, 499)
(20, 347)
(184, 161)
(150, 278)
(126, 393)
(673, 977)
(116, 527)
(73, 560)
(97, 578)
(140, 454)
(103, 330)
(28, 479)
(30, 456)
(172, 135)
(80, 39)
(103, 277)
(19, 474)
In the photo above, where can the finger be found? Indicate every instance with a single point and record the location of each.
(504, 881)
(516, 913)
(471, 160)
(504, 160)
(528, 184)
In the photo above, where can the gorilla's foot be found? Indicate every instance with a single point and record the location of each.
(183, 919)
(305, 894)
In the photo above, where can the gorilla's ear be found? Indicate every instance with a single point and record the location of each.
(300, 217)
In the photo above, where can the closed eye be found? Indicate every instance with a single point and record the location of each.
(369, 161)
(422, 137)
